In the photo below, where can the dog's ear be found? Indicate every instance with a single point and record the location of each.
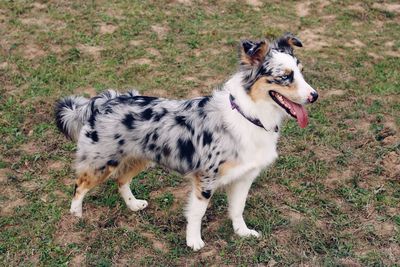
(288, 41)
(253, 53)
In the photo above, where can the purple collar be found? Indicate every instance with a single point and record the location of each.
(256, 122)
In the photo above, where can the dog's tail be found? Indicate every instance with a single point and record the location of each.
(73, 112)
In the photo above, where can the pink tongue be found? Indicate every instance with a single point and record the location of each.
(301, 113)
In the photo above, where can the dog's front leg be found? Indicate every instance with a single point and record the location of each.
(195, 210)
(237, 194)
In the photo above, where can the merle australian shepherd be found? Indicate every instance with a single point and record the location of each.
(223, 140)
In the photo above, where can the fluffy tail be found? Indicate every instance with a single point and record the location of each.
(73, 112)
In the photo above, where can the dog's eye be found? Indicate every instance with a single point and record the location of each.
(284, 77)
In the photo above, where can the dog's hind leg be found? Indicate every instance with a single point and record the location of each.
(125, 173)
(237, 194)
(195, 210)
(86, 181)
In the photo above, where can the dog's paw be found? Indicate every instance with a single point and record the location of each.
(137, 204)
(195, 243)
(76, 211)
(246, 232)
(76, 208)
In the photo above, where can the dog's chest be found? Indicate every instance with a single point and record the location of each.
(260, 149)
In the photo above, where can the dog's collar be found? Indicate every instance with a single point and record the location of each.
(254, 121)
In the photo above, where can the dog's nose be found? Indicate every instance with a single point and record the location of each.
(313, 97)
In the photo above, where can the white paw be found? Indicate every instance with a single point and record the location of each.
(246, 232)
(76, 211)
(137, 204)
(195, 243)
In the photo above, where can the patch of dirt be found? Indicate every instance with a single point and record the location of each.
(336, 177)
(327, 154)
(39, 6)
(135, 42)
(44, 23)
(30, 148)
(94, 51)
(185, 2)
(115, 13)
(68, 181)
(78, 260)
(33, 51)
(55, 165)
(384, 229)
(191, 78)
(157, 244)
(359, 125)
(313, 39)
(207, 253)
(8, 206)
(348, 262)
(36, 21)
(328, 18)
(3, 175)
(13, 197)
(160, 30)
(355, 43)
(392, 53)
(158, 93)
(58, 49)
(374, 55)
(194, 93)
(65, 233)
(90, 91)
(283, 236)
(107, 28)
(391, 7)
(3, 65)
(389, 44)
(393, 252)
(254, 3)
(391, 164)
(95, 214)
(213, 82)
(332, 92)
(356, 7)
(303, 8)
(323, 3)
(140, 61)
(391, 140)
(294, 216)
(153, 51)
(30, 185)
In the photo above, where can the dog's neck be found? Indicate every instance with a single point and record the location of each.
(265, 111)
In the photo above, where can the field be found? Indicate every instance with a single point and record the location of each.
(331, 199)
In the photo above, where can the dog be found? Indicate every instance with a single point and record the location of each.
(222, 140)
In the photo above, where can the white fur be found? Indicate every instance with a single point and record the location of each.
(132, 203)
(76, 204)
(194, 213)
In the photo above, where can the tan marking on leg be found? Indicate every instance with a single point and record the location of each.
(196, 180)
(129, 169)
(88, 181)
(226, 167)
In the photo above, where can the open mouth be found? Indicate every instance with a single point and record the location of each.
(295, 110)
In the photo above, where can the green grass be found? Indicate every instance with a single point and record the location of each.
(331, 199)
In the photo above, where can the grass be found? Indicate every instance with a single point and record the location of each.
(332, 198)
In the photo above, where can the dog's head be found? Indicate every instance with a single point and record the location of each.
(274, 74)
